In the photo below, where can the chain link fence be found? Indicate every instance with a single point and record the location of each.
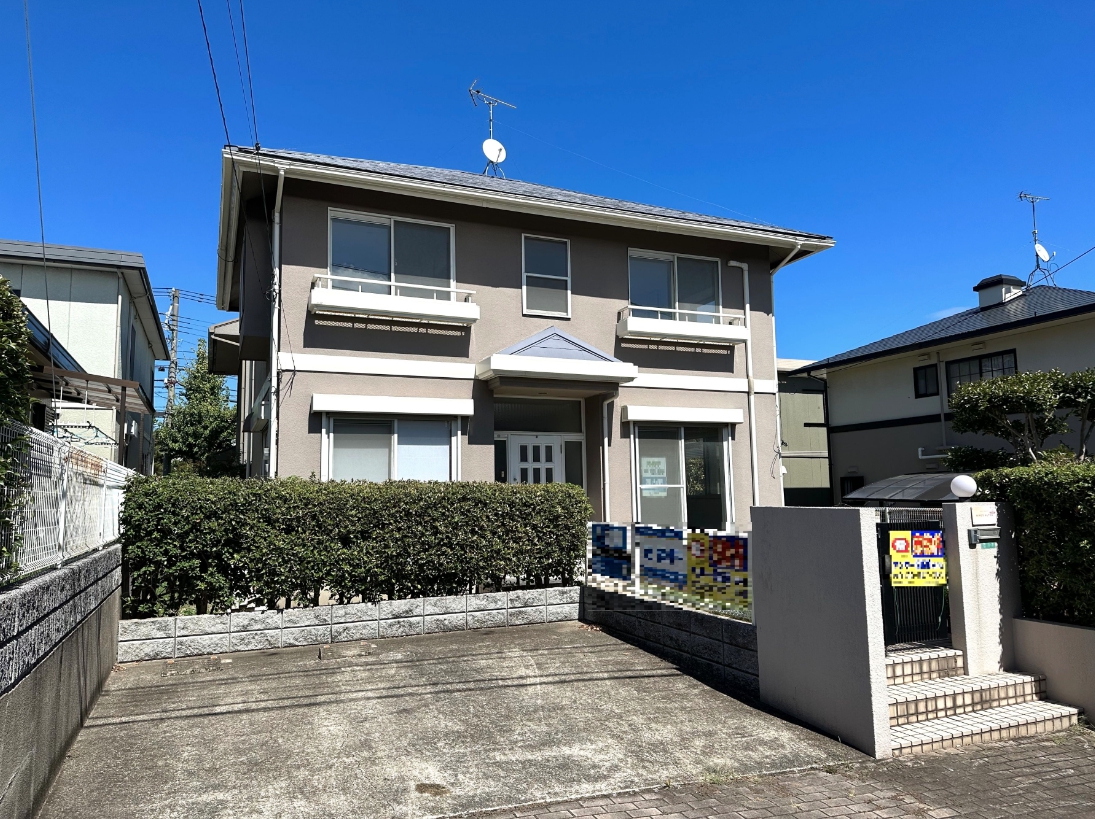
(72, 499)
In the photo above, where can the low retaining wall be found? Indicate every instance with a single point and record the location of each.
(1065, 654)
(707, 645)
(58, 640)
(165, 638)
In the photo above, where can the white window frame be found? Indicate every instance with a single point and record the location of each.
(327, 441)
(658, 255)
(728, 508)
(524, 277)
(563, 436)
(384, 219)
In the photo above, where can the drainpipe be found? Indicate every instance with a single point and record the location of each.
(606, 507)
(275, 334)
(775, 364)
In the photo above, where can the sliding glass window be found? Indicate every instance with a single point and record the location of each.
(365, 449)
(682, 476)
(684, 288)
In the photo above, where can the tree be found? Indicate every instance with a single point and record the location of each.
(1078, 397)
(1023, 409)
(14, 407)
(199, 435)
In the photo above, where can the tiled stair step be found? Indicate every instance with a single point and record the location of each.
(950, 696)
(991, 725)
(916, 666)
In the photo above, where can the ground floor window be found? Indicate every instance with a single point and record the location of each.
(371, 449)
(682, 476)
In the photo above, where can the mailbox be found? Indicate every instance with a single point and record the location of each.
(984, 536)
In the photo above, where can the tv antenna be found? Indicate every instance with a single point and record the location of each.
(494, 150)
(1041, 255)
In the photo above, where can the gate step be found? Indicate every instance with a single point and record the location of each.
(917, 665)
(952, 696)
(990, 725)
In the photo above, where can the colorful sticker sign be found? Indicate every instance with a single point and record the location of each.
(917, 558)
(653, 477)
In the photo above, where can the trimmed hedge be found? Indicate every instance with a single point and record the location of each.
(212, 541)
(1055, 519)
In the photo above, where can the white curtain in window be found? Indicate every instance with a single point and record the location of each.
(423, 450)
(361, 450)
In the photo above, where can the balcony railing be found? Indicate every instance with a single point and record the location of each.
(350, 295)
(635, 321)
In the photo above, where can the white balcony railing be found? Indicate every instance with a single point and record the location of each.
(654, 323)
(349, 295)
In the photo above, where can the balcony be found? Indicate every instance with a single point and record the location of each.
(349, 296)
(664, 324)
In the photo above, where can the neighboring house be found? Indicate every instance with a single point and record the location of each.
(437, 324)
(805, 442)
(96, 336)
(888, 400)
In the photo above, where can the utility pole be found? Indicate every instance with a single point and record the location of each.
(173, 363)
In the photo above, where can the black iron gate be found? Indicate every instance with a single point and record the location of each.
(911, 614)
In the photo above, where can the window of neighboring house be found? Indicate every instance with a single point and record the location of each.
(546, 276)
(364, 449)
(132, 352)
(374, 254)
(979, 368)
(685, 288)
(926, 381)
(682, 476)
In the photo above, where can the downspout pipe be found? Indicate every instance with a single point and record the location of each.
(275, 331)
(775, 365)
(606, 415)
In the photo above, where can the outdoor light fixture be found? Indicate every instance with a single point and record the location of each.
(963, 486)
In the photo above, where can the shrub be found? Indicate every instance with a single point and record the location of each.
(1054, 507)
(213, 541)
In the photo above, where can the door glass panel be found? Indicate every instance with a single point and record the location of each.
(549, 475)
(547, 453)
(536, 475)
(651, 285)
(572, 459)
(697, 288)
(361, 450)
(500, 458)
(422, 257)
(524, 474)
(536, 415)
(423, 450)
(524, 452)
(660, 489)
(536, 453)
(704, 473)
(360, 250)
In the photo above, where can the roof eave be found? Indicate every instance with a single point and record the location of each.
(227, 225)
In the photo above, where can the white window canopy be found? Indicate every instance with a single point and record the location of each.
(392, 405)
(554, 354)
(683, 415)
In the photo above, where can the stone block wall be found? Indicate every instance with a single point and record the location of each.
(165, 638)
(58, 641)
(707, 645)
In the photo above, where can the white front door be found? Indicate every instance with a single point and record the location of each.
(535, 459)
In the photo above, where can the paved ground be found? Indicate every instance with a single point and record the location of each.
(1035, 777)
(410, 727)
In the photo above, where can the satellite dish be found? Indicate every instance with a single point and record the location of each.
(494, 150)
(1043, 254)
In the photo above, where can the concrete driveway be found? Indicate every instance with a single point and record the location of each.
(411, 727)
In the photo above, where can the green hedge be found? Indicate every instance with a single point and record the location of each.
(212, 541)
(1055, 520)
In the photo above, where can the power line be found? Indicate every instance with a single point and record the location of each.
(239, 69)
(1062, 267)
(250, 85)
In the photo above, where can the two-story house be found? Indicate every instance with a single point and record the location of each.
(96, 336)
(888, 411)
(405, 322)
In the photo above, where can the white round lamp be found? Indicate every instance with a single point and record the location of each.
(963, 486)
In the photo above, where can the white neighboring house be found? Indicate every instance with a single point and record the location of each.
(96, 336)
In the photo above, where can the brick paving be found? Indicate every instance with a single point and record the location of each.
(1042, 776)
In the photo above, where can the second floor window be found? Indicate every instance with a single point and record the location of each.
(546, 276)
(682, 288)
(926, 381)
(979, 368)
(375, 254)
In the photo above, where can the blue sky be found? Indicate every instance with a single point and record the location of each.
(903, 129)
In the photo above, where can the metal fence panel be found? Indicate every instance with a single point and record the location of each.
(73, 499)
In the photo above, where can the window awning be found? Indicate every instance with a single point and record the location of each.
(683, 415)
(392, 405)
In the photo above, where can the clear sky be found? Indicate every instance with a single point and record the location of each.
(903, 129)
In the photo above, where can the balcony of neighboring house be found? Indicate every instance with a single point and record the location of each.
(677, 298)
(391, 268)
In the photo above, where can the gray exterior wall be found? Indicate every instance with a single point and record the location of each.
(876, 424)
(1065, 654)
(488, 248)
(58, 642)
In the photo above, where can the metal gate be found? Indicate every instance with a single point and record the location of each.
(911, 614)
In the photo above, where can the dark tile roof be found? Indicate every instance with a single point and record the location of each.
(1036, 305)
(513, 187)
(13, 249)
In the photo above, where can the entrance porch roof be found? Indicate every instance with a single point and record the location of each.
(556, 355)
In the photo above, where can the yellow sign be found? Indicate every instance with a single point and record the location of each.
(917, 559)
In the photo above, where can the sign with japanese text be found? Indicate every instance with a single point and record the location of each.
(917, 558)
